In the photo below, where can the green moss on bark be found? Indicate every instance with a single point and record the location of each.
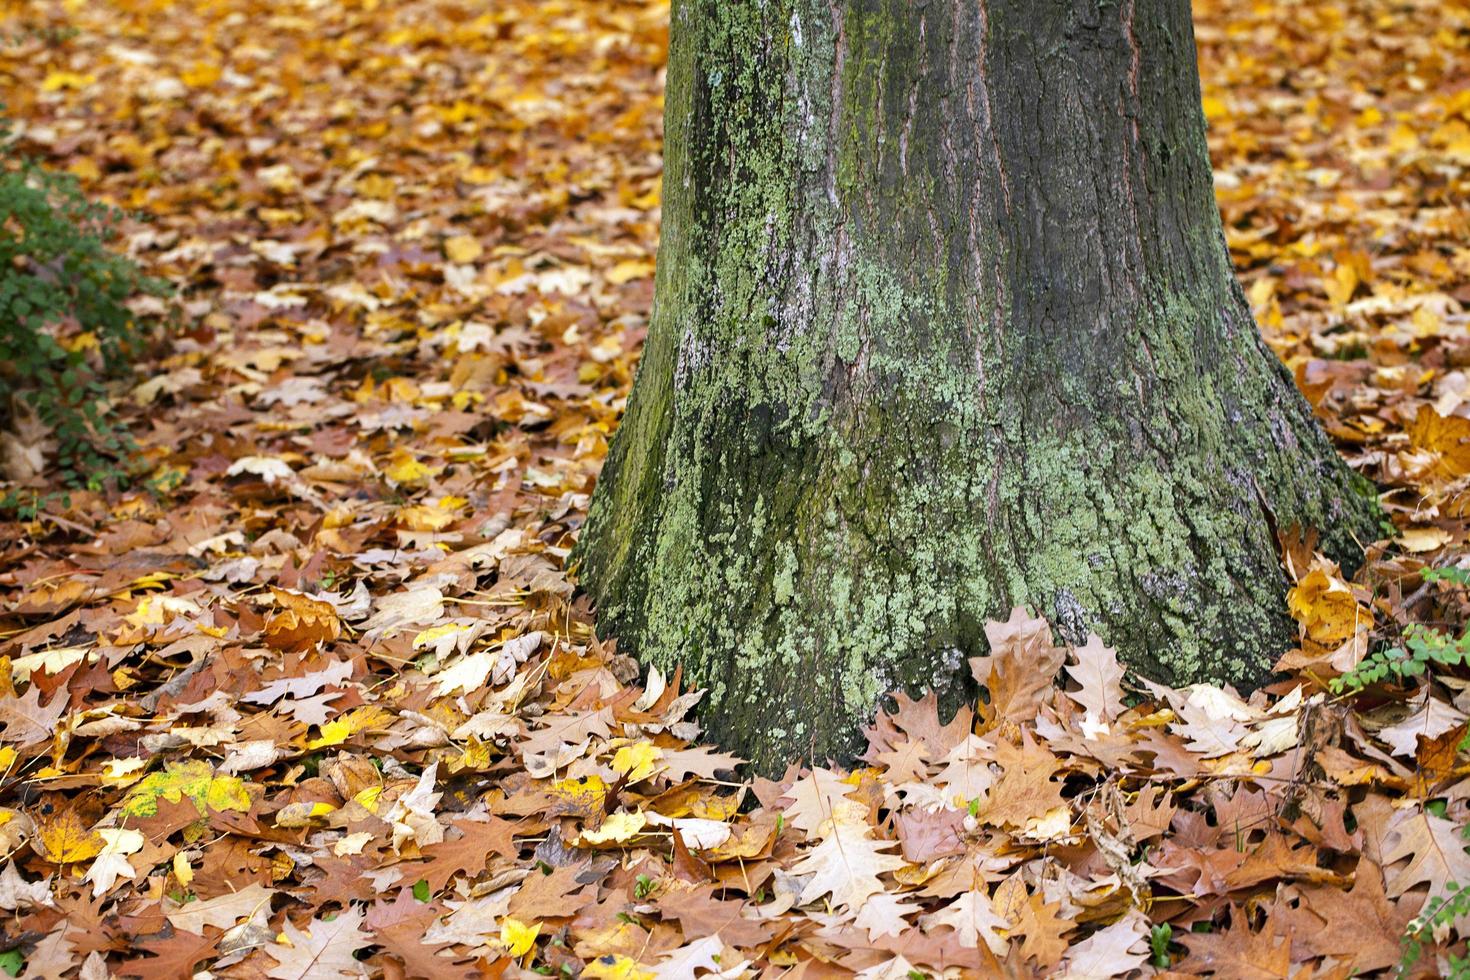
(944, 324)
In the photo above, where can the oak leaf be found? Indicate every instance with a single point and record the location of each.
(846, 865)
(1113, 951)
(1434, 848)
(1020, 670)
(26, 720)
(1099, 677)
(974, 920)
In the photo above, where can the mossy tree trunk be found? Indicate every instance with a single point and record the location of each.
(945, 322)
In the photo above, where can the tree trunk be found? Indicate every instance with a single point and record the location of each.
(945, 323)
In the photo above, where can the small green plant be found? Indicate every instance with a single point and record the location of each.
(1439, 911)
(1424, 649)
(1159, 938)
(65, 326)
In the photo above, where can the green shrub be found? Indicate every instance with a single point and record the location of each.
(65, 326)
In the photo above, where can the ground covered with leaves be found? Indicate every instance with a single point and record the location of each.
(329, 705)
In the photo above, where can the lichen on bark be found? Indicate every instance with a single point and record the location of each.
(944, 323)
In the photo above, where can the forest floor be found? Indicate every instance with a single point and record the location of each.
(330, 706)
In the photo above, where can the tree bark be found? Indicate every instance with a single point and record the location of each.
(944, 323)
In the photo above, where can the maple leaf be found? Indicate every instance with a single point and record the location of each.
(846, 865)
(919, 720)
(906, 762)
(112, 860)
(930, 834)
(1025, 790)
(405, 940)
(551, 895)
(883, 915)
(1209, 732)
(469, 851)
(966, 774)
(1034, 920)
(65, 839)
(324, 950)
(1240, 951)
(701, 761)
(191, 779)
(701, 915)
(301, 622)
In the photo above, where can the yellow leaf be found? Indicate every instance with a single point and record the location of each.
(121, 772)
(191, 778)
(64, 839)
(619, 828)
(462, 249)
(476, 756)
(1341, 285)
(1421, 539)
(1447, 436)
(201, 75)
(368, 798)
(157, 610)
(434, 634)
(296, 815)
(585, 795)
(404, 470)
(615, 967)
(1403, 139)
(517, 937)
(84, 341)
(339, 730)
(1326, 608)
(85, 169)
(421, 518)
(58, 80)
(183, 874)
(637, 761)
(628, 270)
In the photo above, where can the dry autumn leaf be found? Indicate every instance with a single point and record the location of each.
(322, 700)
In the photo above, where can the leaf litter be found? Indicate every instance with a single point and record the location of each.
(331, 706)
